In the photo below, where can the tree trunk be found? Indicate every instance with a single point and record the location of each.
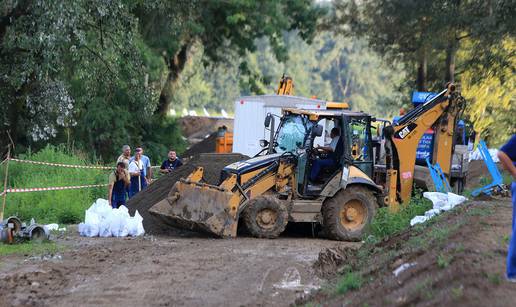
(451, 51)
(421, 71)
(176, 65)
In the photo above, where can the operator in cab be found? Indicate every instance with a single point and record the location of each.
(331, 159)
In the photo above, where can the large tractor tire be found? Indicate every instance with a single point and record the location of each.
(348, 214)
(266, 217)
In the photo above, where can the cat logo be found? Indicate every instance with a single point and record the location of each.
(405, 131)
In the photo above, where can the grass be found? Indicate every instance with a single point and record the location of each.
(350, 281)
(29, 248)
(443, 261)
(63, 207)
(387, 223)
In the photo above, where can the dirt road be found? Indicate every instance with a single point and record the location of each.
(152, 270)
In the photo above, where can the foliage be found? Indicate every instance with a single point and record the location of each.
(342, 69)
(64, 207)
(491, 98)
(76, 72)
(225, 29)
(471, 42)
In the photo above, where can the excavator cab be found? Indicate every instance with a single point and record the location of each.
(303, 133)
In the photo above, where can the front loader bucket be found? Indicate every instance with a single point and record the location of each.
(197, 206)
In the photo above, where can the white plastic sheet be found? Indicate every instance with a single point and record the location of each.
(104, 221)
(441, 202)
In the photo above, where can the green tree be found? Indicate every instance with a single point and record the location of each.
(224, 28)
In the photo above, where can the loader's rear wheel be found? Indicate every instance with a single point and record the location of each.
(266, 217)
(347, 215)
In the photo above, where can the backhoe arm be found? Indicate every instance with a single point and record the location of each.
(403, 138)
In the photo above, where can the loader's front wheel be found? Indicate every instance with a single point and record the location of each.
(266, 217)
(347, 215)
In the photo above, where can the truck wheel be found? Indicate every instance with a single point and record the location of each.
(266, 217)
(348, 214)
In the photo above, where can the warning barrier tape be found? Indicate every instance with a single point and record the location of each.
(66, 165)
(61, 165)
(18, 190)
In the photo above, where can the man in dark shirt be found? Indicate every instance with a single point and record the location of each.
(171, 163)
(507, 156)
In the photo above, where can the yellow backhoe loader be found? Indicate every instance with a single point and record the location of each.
(278, 186)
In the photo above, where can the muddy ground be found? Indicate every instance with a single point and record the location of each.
(164, 271)
(458, 259)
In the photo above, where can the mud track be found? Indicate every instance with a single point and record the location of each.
(164, 271)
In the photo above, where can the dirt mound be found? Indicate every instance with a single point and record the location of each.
(205, 146)
(456, 259)
(158, 190)
(202, 125)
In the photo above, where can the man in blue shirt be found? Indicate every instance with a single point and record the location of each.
(171, 163)
(507, 156)
(147, 170)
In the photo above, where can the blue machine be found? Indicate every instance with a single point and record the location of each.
(440, 182)
(497, 183)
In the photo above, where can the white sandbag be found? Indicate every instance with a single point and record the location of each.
(438, 199)
(432, 212)
(454, 199)
(102, 220)
(441, 202)
(135, 225)
(105, 224)
(92, 224)
(418, 220)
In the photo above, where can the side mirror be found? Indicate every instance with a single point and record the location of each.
(264, 143)
(267, 121)
(317, 130)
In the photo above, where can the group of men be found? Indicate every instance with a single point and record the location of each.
(134, 173)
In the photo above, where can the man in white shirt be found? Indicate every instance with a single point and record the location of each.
(332, 158)
(136, 171)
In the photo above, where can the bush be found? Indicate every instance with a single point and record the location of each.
(64, 207)
(350, 281)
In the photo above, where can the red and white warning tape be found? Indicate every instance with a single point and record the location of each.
(61, 165)
(16, 190)
(66, 165)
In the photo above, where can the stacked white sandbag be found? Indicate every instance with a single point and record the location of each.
(104, 221)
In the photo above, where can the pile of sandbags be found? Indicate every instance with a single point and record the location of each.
(441, 202)
(103, 221)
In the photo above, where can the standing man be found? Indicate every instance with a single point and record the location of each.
(507, 156)
(171, 163)
(136, 169)
(147, 170)
(125, 157)
(118, 183)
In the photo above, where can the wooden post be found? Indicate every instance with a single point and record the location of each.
(5, 182)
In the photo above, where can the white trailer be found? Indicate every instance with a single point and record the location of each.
(250, 112)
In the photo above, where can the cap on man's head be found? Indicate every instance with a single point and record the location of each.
(139, 149)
